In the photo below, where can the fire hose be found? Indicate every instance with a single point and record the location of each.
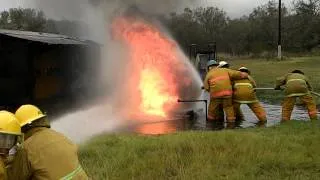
(312, 92)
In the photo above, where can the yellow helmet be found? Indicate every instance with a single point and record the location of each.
(9, 123)
(26, 114)
(10, 132)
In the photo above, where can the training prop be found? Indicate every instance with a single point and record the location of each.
(196, 101)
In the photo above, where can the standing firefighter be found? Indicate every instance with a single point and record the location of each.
(218, 83)
(296, 85)
(244, 93)
(46, 154)
(10, 133)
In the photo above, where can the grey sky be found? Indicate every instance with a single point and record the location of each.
(234, 8)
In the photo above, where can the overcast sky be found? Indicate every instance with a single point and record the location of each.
(234, 8)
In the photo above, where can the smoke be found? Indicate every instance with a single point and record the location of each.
(148, 6)
(96, 13)
(99, 14)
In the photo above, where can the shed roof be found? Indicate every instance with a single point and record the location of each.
(43, 37)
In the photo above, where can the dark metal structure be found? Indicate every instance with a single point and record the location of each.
(41, 68)
(200, 55)
(197, 101)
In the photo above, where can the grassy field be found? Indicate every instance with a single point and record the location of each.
(289, 151)
(265, 73)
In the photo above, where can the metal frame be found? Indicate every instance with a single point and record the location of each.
(196, 101)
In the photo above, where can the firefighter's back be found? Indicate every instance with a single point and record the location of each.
(52, 156)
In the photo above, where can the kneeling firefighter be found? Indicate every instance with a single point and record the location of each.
(218, 83)
(10, 134)
(46, 154)
(296, 86)
(244, 93)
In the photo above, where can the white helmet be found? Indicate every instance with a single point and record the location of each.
(223, 64)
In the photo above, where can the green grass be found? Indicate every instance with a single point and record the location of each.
(289, 151)
(265, 73)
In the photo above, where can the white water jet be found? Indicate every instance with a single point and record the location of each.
(82, 125)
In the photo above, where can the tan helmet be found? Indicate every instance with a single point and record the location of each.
(10, 130)
(26, 114)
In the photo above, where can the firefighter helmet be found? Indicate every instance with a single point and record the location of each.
(26, 114)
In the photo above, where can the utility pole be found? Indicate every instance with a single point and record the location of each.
(279, 32)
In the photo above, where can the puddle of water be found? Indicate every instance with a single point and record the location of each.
(198, 121)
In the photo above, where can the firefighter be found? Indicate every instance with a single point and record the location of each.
(46, 154)
(218, 114)
(10, 133)
(296, 86)
(218, 83)
(244, 93)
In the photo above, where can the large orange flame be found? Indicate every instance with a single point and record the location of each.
(154, 94)
(156, 72)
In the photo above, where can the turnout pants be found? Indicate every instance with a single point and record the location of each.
(289, 102)
(256, 108)
(215, 112)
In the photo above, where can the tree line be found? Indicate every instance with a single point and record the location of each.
(255, 33)
(33, 20)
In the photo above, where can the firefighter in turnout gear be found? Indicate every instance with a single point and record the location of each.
(46, 154)
(218, 84)
(218, 114)
(296, 85)
(10, 134)
(244, 93)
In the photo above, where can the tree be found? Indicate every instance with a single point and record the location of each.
(236, 36)
(33, 20)
(23, 19)
(264, 28)
(213, 21)
(305, 25)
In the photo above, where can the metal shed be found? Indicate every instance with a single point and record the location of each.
(40, 68)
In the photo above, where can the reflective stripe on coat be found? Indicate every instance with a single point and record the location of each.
(243, 91)
(295, 84)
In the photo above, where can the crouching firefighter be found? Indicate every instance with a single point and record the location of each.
(10, 136)
(218, 83)
(45, 153)
(296, 86)
(244, 93)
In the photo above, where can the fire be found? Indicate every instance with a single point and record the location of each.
(156, 72)
(154, 93)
